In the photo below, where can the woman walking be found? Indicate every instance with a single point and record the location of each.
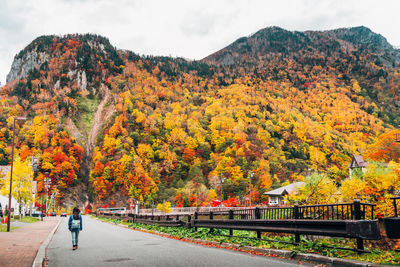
(75, 225)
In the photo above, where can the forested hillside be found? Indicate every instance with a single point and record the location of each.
(268, 109)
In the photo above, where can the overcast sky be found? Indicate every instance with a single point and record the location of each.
(188, 28)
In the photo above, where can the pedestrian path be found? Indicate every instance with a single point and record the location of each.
(19, 247)
(104, 244)
(19, 224)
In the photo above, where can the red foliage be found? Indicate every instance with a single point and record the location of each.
(188, 154)
(230, 202)
(38, 205)
(215, 203)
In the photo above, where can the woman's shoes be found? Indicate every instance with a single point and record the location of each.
(74, 247)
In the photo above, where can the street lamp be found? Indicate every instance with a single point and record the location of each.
(12, 165)
(53, 196)
(250, 174)
(34, 168)
(47, 182)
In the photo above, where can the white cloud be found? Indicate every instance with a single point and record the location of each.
(191, 29)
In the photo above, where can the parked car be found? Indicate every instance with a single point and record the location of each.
(36, 213)
(53, 213)
(63, 214)
(44, 214)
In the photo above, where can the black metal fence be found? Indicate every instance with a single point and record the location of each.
(343, 211)
(392, 224)
(340, 211)
(349, 220)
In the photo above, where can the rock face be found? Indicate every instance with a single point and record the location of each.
(22, 65)
(82, 80)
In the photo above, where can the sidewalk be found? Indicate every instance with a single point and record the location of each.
(19, 247)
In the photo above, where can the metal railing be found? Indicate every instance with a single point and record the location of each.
(189, 210)
(349, 220)
(395, 204)
(340, 211)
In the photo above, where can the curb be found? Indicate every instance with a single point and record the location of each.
(268, 252)
(41, 254)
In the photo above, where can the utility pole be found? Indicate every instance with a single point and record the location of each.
(222, 187)
(53, 197)
(250, 175)
(47, 182)
(11, 173)
(46, 185)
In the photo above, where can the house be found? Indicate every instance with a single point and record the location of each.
(276, 196)
(357, 162)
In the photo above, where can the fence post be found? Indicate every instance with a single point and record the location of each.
(296, 215)
(211, 218)
(357, 216)
(257, 214)
(231, 218)
(196, 216)
(190, 221)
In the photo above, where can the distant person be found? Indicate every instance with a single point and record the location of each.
(75, 225)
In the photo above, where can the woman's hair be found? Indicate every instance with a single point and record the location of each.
(76, 210)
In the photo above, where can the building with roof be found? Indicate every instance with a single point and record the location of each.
(357, 162)
(276, 196)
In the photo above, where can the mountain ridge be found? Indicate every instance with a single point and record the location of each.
(295, 40)
(167, 128)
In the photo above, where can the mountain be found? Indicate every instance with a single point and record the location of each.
(83, 53)
(292, 44)
(109, 124)
(349, 54)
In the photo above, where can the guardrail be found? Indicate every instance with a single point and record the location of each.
(346, 211)
(392, 224)
(188, 210)
(347, 220)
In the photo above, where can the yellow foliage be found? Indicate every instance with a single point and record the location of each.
(22, 182)
(317, 189)
(165, 207)
(191, 143)
(211, 195)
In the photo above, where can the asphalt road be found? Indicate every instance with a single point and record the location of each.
(103, 244)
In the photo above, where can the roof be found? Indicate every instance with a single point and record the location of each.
(287, 189)
(358, 159)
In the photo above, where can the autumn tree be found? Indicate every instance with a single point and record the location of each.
(22, 184)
